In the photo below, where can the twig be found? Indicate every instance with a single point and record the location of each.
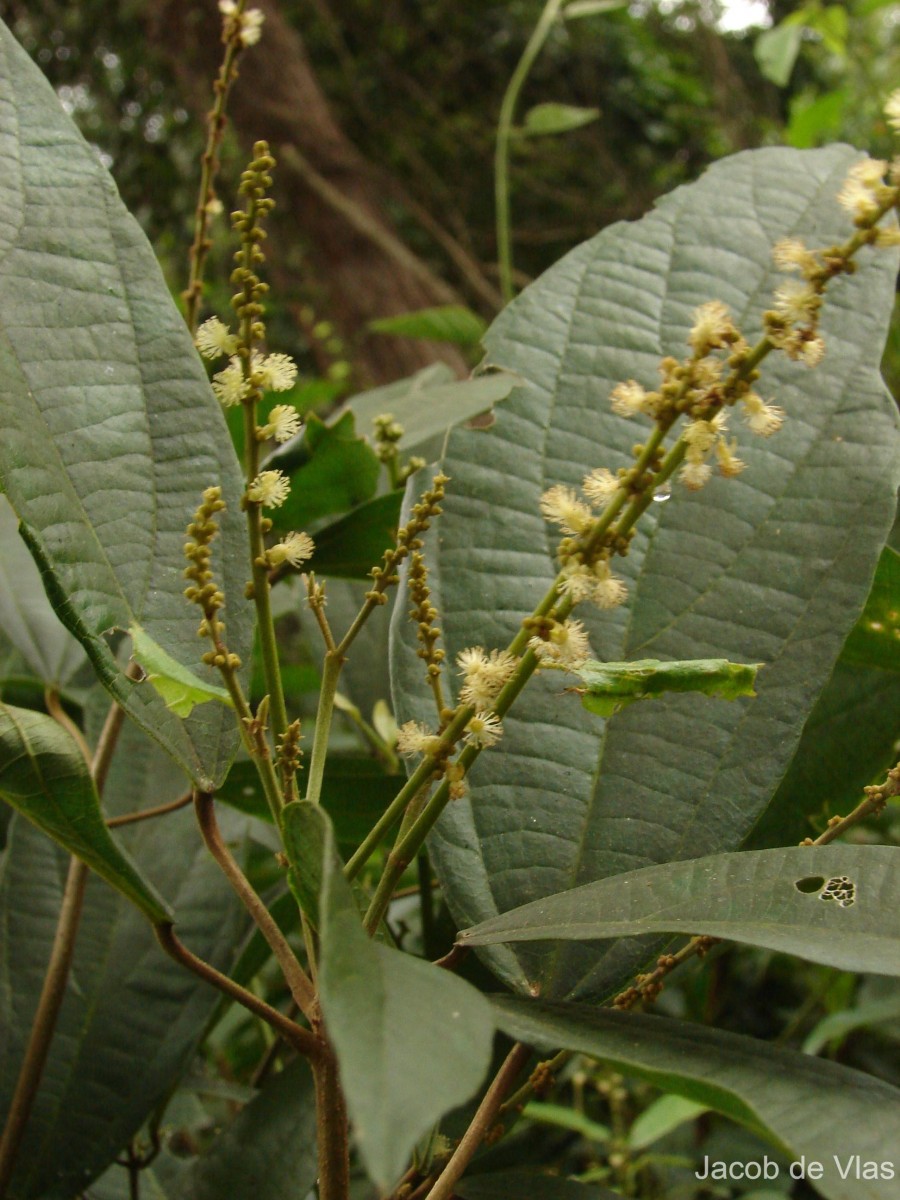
(146, 814)
(295, 1035)
(481, 1123)
(876, 797)
(297, 980)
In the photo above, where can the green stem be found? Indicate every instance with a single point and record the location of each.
(262, 596)
(504, 133)
(410, 790)
(331, 670)
(259, 753)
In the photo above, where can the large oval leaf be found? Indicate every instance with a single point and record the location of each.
(832, 904)
(771, 567)
(807, 1107)
(111, 432)
(131, 1017)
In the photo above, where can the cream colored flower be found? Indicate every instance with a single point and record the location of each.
(609, 591)
(729, 463)
(270, 489)
(230, 385)
(273, 372)
(797, 302)
(857, 198)
(712, 328)
(561, 506)
(790, 254)
(628, 399)
(283, 423)
(215, 339)
(415, 738)
(764, 419)
(484, 675)
(695, 474)
(566, 646)
(295, 548)
(600, 485)
(483, 730)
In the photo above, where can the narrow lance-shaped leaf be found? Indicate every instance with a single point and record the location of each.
(808, 1108)
(770, 567)
(611, 686)
(43, 775)
(110, 430)
(833, 904)
(412, 1040)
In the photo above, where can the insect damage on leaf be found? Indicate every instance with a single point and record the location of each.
(611, 686)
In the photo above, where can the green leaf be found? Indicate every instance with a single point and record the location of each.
(551, 118)
(349, 547)
(268, 1152)
(832, 904)
(26, 617)
(788, 1098)
(815, 121)
(612, 686)
(307, 839)
(590, 8)
(831, 23)
(848, 742)
(772, 567)
(660, 1118)
(449, 323)
(131, 1017)
(179, 688)
(837, 1025)
(875, 638)
(776, 51)
(111, 431)
(43, 775)
(427, 404)
(563, 1117)
(341, 472)
(413, 1041)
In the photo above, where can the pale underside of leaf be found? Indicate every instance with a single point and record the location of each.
(111, 432)
(831, 904)
(771, 567)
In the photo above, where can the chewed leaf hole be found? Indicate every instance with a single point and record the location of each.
(812, 883)
(841, 889)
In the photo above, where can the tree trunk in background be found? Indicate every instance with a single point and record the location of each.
(355, 275)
